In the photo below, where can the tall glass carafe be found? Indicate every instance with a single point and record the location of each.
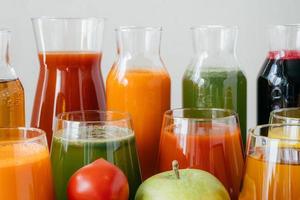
(213, 79)
(139, 83)
(278, 83)
(12, 109)
(70, 79)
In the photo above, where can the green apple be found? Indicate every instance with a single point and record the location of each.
(184, 184)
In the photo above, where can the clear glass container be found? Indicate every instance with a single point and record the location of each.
(139, 83)
(81, 137)
(278, 83)
(70, 79)
(213, 79)
(25, 168)
(272, 168)
(12, 98)
(285, 116)
(204, 138)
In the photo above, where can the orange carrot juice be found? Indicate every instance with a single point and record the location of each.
(25, 172)
(273, 164)
(210, 147)
(145, 94)
(270, 180)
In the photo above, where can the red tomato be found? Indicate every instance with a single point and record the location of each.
(99, 180)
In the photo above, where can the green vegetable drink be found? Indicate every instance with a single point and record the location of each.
(75, 148)
(217, 88)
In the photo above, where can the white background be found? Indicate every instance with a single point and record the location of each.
(176, 17)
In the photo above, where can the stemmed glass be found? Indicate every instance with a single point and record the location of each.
(82, 137)
(207, 139)
(273, 163)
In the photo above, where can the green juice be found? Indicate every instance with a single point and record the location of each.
(69, 153)
(217, 88)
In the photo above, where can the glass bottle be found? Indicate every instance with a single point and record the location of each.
(213, 79)
(139, 83)
(12, 99)
(278, 83)
(70, 79)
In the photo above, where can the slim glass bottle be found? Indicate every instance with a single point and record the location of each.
(278, 82)
(213, 79)
(12, 110)
(139, 83)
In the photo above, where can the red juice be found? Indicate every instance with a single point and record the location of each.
(210, 147)
(68, 81)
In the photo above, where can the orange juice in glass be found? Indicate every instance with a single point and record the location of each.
(138, 83)
(273, 163)
(25, 172)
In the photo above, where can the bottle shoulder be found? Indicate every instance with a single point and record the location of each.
(7, 72)
(146, 65)
(215, 75)
(127, 73)
(11, 87)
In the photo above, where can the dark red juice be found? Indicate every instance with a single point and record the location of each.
(278, 83)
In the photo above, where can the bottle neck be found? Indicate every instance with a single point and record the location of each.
(284, 41)
(214, 40)
(138, 41)
(4, 48)
(6, 71)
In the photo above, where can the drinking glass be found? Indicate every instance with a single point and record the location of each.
(25, 169)
(82, 137)
(204, 138)
(273, 164)
(285, 116)
(70, 79)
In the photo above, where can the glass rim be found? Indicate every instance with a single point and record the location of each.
(275, 113)
(126, 116)
(283, 26)
(214, 27)
(231, 114)
(41, 135)
(5, 30)
(139, 28)
(253, 132)
(51, 18)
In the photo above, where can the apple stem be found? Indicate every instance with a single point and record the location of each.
(175, 167)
